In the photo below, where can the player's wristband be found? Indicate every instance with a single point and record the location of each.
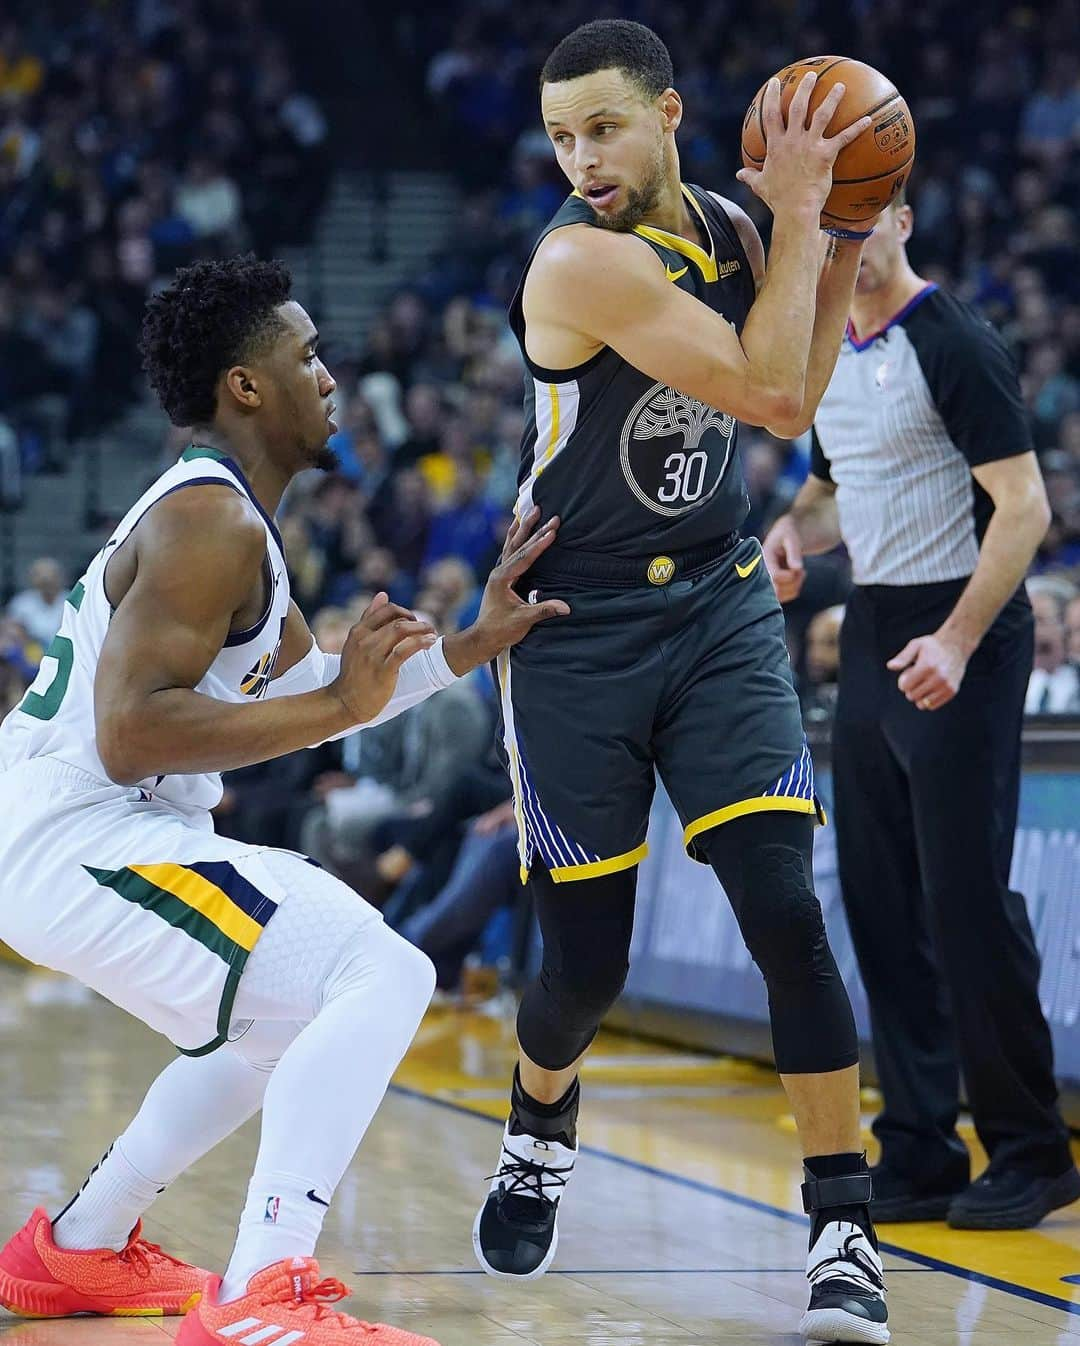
(849, 235)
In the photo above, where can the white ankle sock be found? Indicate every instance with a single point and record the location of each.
(280, 1221)
(191, 1106)
(108, 1207)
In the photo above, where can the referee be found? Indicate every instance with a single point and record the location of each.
(922, 464)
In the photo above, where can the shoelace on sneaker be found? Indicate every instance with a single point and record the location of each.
(318, 1298)
(528, 1179)
(853, 1266)
(141, 1254)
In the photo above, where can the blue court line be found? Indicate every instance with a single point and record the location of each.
(762, 1207)
(641, 1271)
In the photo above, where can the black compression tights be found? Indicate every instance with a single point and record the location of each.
(764, 863)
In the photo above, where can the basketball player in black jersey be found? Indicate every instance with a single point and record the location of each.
(650, 326)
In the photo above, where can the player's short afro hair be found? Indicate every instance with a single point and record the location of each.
(214, 315)
(612, 44)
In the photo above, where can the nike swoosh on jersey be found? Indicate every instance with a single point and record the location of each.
(317, 1199)
(674, 275)
(744, 572)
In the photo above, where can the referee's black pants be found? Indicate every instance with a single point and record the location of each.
(926, 805)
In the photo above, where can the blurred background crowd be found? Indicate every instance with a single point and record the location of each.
(139, 134)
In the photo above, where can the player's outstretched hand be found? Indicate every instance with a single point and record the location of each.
(799, 156)
(782, 549)
(504, 618)
(376, 647)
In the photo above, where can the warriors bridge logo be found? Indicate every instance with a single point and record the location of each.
(674, 450)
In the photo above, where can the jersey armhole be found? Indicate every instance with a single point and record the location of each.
(180, 486)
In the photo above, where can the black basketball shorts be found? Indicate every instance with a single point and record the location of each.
(689, 678)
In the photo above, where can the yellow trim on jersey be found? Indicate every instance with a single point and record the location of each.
(759, 804)
(571, 873)
(704, 261)
(553, 437)
(206, 898)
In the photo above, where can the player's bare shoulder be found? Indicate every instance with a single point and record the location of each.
(581, 283)
(211, 531)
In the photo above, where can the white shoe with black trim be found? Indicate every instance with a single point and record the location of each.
(847, 1288)
(516, 1232)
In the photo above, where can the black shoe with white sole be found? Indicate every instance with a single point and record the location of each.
(516, 1233)
(847, 1281)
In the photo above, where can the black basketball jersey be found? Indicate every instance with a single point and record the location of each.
(631, 466)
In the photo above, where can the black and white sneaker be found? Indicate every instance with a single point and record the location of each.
(516, 1232)
(847, 1288)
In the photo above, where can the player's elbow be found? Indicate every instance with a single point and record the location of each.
(118, 750)
(1042, 514)
(1028, 509)
(792, 428)
(779, 407)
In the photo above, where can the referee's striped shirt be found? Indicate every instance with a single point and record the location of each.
(910, 410)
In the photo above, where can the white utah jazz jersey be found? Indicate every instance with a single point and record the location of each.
(56, 716)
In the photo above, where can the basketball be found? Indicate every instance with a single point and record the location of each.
(873, 168)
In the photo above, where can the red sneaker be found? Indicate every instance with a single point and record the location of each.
(40, 1280)
(286, 1303)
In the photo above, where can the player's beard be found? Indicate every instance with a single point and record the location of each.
(639, 201)
(326, 459)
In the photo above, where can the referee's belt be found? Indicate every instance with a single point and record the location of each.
(627, 572)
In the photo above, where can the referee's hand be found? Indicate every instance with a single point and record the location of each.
(933, 669)
(782, 549)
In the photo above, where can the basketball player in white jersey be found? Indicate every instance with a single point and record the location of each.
(182, 655)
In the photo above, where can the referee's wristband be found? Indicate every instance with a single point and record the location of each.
(849, 235)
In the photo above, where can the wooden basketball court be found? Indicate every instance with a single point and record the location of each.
(680, 1228)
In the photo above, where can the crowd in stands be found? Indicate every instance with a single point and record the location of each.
(416, 812)
(135, 135)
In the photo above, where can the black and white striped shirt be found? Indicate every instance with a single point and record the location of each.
(910, 410)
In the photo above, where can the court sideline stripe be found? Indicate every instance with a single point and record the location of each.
(762, 1207)
(638, 1271)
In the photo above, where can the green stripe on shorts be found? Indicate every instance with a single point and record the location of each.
(134, 888)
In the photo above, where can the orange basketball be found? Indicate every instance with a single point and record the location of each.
(872, 169)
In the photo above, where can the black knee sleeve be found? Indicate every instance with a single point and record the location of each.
(586, 928)
(765, 863)
(780, 916)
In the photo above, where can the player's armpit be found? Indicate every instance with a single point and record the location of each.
(610, 288)
(296, 642)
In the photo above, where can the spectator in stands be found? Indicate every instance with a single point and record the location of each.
(470, 527)
(485, 877)
(822, 658)
(40, 606)
(1054, 685)
(402, 764)
(1051, 121)
(1072, 631)
(209, 202)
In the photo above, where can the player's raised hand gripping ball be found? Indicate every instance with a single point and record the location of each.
(870, 170)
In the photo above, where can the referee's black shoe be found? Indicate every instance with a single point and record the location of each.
(898, 1199)
(516, 1232)
(1009, 1199)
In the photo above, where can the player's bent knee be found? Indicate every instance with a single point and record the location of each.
(586, 993)
(780, 915)
(404, 975)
